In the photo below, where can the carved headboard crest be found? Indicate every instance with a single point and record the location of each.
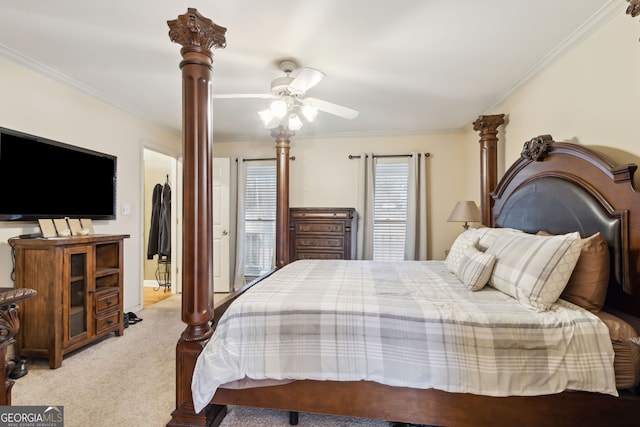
(634, 8)
(538, 148)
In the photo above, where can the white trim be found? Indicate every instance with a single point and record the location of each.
(150, 284)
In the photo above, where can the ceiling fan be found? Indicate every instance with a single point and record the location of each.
(289, 98)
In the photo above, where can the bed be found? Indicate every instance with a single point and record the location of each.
(548, 184)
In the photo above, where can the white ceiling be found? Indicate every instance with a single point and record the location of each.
(408, 66)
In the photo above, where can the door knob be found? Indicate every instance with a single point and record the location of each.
(225, 233)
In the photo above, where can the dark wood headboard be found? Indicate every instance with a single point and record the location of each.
(561, 187)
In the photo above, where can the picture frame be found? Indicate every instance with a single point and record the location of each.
(62, 227)
(47, 228)
(75, 226)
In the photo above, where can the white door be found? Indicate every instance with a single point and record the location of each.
(221, 236)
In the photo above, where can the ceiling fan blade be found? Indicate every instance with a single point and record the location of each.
(243, 95)
(306, 79)
(331, 108)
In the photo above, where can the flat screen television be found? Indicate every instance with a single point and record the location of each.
(41, 178)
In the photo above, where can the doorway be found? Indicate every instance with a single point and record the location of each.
(160, 247)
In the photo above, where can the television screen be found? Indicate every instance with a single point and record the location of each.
(40, 178)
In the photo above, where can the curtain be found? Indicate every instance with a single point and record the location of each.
(415, 247)
(415, 243)
(366, 182)
(237, 196)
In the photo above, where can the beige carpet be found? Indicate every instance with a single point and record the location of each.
(127, 380)
(252, 417)
(130, 381)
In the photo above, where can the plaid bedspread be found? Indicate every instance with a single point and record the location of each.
(409, 323)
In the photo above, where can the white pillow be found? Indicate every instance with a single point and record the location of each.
(488, 235)
(467, 239)
(475, 268)
(534, 269)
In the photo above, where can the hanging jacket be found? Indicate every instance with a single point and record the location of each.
(164, 235)
(154, 229)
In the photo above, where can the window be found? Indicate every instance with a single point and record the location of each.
(390, 209)
(260, 219)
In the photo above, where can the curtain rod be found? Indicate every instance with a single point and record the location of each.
(351, 156)
(264, 158)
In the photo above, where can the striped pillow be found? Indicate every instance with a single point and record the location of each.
(534, 269)
(475, 268)
(488, 235)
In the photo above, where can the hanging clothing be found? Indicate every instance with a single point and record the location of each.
(164, 232)
(154, 229)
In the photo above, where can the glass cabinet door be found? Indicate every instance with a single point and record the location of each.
(76, 301)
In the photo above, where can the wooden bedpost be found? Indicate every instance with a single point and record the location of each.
(283, 138)
(197, 35)
(488, 128)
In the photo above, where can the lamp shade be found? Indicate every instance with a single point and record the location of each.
(465, 211)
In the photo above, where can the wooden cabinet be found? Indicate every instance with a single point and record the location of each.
(322, 233)
(79, 285)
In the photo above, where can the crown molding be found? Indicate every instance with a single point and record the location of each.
(601, 17)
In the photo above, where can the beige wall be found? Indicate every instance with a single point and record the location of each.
(590, 96)
(322, 175)
(38, 105)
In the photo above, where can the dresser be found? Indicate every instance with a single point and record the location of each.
(322, 233)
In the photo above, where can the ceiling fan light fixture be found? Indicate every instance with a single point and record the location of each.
(279, 108)
(309, 112)
(294, 122)
(266, 116)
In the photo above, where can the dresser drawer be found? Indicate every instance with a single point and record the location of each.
(320, 227)
(107, 321)
(319, 255)
(303, 242)
(106, 300)
(314, 213)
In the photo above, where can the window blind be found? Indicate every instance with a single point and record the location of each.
(260, 219)
(390, 210)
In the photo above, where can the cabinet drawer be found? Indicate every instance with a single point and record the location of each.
(319, 255)
(107, 321)
(320, 227)
(320, 242)
(106, 301)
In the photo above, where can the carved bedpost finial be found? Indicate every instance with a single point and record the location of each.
(634, 8)
(538, 148)
(488, 124)
(193, 30)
